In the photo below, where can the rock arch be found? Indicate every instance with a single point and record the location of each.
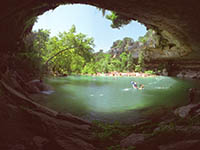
(179, 18)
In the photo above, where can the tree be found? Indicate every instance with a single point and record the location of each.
(36, 41)
(123, 58)
(35, 49)
(141, 64)
(74, 51)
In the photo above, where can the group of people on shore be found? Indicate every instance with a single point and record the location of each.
(135, 86)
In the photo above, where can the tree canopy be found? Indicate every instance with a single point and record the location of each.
(72, 53)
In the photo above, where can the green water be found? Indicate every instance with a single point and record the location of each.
(113, 98)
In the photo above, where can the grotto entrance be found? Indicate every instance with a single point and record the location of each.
(181, 24)
(39, 124)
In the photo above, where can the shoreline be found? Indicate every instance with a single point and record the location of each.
(122, 74)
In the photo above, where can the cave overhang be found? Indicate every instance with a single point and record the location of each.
(179, 19)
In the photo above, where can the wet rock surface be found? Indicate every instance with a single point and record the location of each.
(174, 133)
(133, 140)
(37, 86)
(26, 125)
(182, 145)
(184, 111)
(40, 131)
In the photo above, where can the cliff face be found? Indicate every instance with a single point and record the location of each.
(178, 18)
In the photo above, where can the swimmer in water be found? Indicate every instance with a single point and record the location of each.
(134, 85)
(141, 87)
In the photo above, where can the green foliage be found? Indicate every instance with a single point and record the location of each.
(72, 53)
(138, 68)
(166, 128)
(107, 63)
(111, 133)
(141, 63)
(76, 50)
(141, 39)
(149, 72)
(118, 20)
(89, 68)
(141, 58)
(66, 53)
(105, 131)
(30, 58)
(30, 23)
(123, 58)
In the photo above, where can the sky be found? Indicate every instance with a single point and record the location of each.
(88, 20)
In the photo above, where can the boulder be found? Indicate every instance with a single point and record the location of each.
(132, 140)
(29, 125)
(188, 74)
(164, 72)
(184, 111)
(182, 145)
(40, 141)
(180, 75)
(18, 147)
(36, 86)
(188, 130)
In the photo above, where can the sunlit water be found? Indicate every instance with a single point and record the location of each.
(113, 98)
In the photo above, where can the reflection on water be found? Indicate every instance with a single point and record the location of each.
(113, 98)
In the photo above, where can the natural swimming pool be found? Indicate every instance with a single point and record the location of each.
(113, 98)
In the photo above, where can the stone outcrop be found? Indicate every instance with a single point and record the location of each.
(165, 137)
(25, 128)
(184, 111)
(37, 86)
(189, 74)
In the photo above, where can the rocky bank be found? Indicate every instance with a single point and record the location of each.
(26, 125)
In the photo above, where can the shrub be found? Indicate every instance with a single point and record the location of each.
(149, 72)
(138, 68)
